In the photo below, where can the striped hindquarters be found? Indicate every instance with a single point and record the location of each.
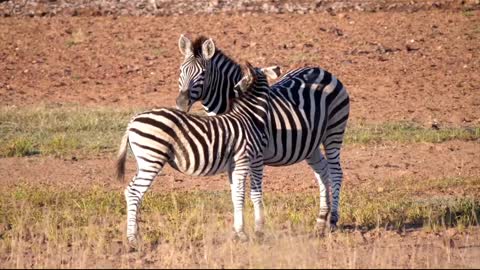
(191, 144)
(309, 107)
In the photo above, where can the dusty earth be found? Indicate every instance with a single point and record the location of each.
(398, 66)
(395, 162)
(420, 66)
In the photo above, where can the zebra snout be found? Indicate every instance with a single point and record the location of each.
(183, 101)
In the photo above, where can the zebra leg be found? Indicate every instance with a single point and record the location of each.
(133, 195)
(320, 166)
(237, 184)
(336, 177)
(256, 195)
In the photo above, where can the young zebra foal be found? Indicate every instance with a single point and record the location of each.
(203, 145)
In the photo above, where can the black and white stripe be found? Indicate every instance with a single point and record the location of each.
(309, 108)
(200, 146)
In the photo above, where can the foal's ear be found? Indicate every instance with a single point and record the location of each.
(208, 49)
(243, 84)
(272, 72)
(185, 45)
(248, 79)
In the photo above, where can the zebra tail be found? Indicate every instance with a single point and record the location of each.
(121, 158)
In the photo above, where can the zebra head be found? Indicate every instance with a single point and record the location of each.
(192, 70)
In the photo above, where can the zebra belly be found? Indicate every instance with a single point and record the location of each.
(279, 154)
(194, 167)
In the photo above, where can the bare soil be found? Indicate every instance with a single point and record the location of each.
(395, 162)
(397, 66)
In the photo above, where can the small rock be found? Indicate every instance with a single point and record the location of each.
(411, 48)
(59, 84)
(466, 120)
(337, 31)
(435, 124)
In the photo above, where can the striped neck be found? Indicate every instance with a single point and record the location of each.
(254, 102)
(218, 89)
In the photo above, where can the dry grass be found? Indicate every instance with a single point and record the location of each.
(45, 227)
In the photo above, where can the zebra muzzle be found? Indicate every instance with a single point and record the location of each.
(183, 101)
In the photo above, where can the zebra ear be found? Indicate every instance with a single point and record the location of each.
(242, 85)
(248, 78)
(185, 45)
(272, 72)
(208, 49)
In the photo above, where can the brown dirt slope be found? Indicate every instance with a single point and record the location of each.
(397, 66)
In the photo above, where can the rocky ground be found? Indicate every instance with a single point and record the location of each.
(173, 7)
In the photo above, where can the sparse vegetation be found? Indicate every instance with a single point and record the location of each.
(64, 228)
(407, 132)
(61, 130)
(77, 37)
(73, 129)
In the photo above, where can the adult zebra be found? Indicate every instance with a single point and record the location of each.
(201, 145)
(310, 107)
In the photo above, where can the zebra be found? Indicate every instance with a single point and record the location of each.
(310, 107)
(202, 145)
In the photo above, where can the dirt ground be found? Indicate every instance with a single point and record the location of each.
(420, 66)
(397, 66)
(393, 161)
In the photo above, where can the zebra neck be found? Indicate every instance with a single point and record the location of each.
(256, 101)
(224, 73)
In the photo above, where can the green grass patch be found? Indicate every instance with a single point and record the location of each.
(61, 130)
(407, 132)
(76, 130)
(396, 203)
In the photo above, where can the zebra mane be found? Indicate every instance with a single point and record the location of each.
(197, 49)
(197, 45)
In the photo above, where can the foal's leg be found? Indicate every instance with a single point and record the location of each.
(256, 195)
(237, 176)
(148, 168)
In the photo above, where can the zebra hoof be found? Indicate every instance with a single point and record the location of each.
(333, 219)
(240, 237)
(333, 227)
(132, 246)
(320, 228)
